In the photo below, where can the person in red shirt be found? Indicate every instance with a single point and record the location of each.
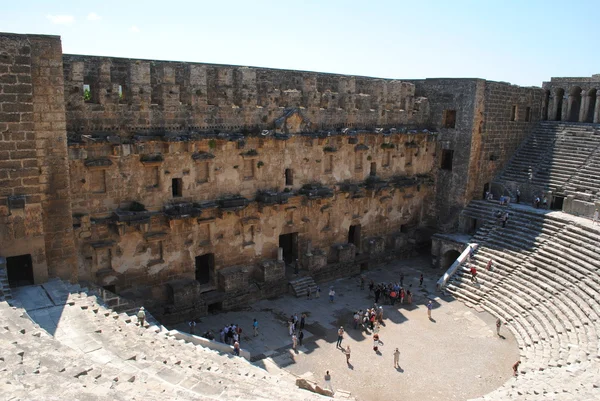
(473, 274)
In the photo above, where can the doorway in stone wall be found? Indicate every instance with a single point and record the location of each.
(205, 267)
(557, 202)
(289, 243)
(486, 188)
(19, 270)
(354, 236)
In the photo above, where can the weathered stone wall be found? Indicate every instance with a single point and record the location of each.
(161, 246)
(128, 94)
(486, 133)
(35, 215)
(509, 114)
(464, 96)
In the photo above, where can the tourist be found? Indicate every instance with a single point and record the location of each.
(141, 315)
(371, 286)
(402, 295)
(409, 297)
(291, 326)
(355, 320)
(318, 292)
(429, 308)
(300, 337)
(376, 342)
(396, 358)
(222, 335)
(302, 321)
(421, 280)
(516, 368)
(518, 195)
(340, 337)
(498, 325)
(255, 327)
(473, 274)
(348, 355)
(545, 203)
(377, 293)
(331, 294)
(236, 337)
(536, 202)
(192, 324)
(308, 293)
(236, 348)
(294, 341)
(595, 219)
(380, 315)
(504, 219)
(488, 267)
(362, 282)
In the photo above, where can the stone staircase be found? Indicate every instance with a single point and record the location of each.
(545, 286)
(552, 158)
(98, 353)
(5, 292)
(301, 285)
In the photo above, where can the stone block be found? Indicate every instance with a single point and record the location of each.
(344, 253)
(233, 278)
(316, 261)
(376, 245)
(271, 271)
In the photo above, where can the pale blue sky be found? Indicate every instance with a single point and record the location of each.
(523, 42)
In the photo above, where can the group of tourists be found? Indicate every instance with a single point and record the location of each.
(390, 293)
(296, 329)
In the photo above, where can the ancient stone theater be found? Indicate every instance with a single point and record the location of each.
(195, 188)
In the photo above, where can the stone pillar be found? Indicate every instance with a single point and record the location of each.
(566, 107)
(597, 109)
(585, 102)
(279, 254)
(553, 107)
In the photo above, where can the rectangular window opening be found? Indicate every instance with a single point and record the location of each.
(177, 187)
(289, 176)
(447, 155)
(513, 113)
(528, 114)
(449, 119)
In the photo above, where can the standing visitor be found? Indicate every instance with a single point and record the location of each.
(192, 324)
(236, 348)
(516, 368)
(595, 219)
(396, 358)
(141, 315)
(318, 292)
(348, 355)
(375, 342)
(255, 327)
(340, 337)
(429, 308)
(518, 195)
(331, 294)
(498, 325)
(294, 341)
(421, 280)
(300, 337)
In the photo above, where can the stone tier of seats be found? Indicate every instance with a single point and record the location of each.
(100, 354)
(586, 183)
(552, 156)
(544, 284)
